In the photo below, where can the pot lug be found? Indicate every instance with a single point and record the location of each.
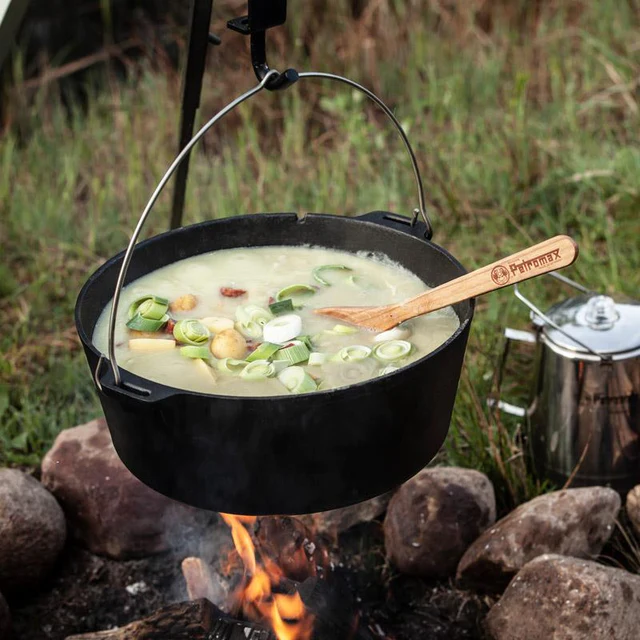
(400, 223)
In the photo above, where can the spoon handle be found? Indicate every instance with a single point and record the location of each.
(552, 254)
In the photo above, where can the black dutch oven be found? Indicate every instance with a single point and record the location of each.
(286, 454)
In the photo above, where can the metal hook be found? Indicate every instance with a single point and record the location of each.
(262, 16)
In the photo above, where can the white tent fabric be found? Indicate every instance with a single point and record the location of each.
(11, 13)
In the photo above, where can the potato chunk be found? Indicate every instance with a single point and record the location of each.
(217, 324)
(205, 369)
(184, 303)
(151, 344)
(229, 344)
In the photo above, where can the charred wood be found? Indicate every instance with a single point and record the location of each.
(181, 621)
(290, 545)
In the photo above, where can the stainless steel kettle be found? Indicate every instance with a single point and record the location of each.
(584, 415)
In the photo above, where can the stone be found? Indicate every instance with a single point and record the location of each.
(633, 508)
(108, 509)
(5, 619)
(337, 521)
(572, 522)
(434, 517)
(32, 532)
(555, 597)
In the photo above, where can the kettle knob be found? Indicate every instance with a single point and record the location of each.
(601, 313)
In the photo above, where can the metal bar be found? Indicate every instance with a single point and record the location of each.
(182, 156)
(422, 207)
(571, 283)
(557, 327)
(191, 92)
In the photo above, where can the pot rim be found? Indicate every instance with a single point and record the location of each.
(165, 391)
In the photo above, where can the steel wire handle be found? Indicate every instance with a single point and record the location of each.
(420, 210)
(545, 318)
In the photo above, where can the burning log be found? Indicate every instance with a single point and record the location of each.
(202, 583)
(199, 620)
(290, 545)
(181, 621)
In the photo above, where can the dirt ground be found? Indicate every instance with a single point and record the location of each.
(89, 593)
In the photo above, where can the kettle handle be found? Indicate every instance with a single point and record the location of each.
(547, 320)
(511, 335)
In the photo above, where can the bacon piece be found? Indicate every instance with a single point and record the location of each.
(229, 292)
(168, 328)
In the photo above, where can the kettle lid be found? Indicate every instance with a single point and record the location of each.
(605, 325)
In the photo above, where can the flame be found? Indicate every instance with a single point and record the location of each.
(242, 541)
(285, 614)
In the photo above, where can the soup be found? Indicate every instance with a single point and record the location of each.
(240, 322)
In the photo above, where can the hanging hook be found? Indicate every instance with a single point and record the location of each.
(263, 15)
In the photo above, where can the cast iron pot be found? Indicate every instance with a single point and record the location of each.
(287, 454)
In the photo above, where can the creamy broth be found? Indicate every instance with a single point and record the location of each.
(262, 272)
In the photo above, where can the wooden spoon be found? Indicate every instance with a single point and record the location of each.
(552, 254)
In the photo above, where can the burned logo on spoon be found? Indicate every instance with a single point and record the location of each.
(500, 275)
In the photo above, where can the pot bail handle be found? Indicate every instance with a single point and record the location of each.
(421, 209)
(269, 76)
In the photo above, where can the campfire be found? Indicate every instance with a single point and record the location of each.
(286, 585)
(260, 597)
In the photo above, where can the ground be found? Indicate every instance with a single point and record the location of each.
(88, 593)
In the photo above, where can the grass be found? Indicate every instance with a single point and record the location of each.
(524, 117)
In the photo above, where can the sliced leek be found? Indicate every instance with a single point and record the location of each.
(280, 365)
(316, 358)
(263, 352)
(295, 292)
(353, 353)
(249, 330)
(343, 330)
(191, 351)
(258, 370)
(148, 313)
(152, 307)
(191, 332)
(390, 368)
(307, 341)
(253, 313)
(392, 350)
(297, 380)
(231, 365)
(283, 328)
(140, 323)
(294, 354)
(151, 344)
(251, 319)
(283, 306)
(319, 272)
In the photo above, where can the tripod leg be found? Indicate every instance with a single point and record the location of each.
(191, 91)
